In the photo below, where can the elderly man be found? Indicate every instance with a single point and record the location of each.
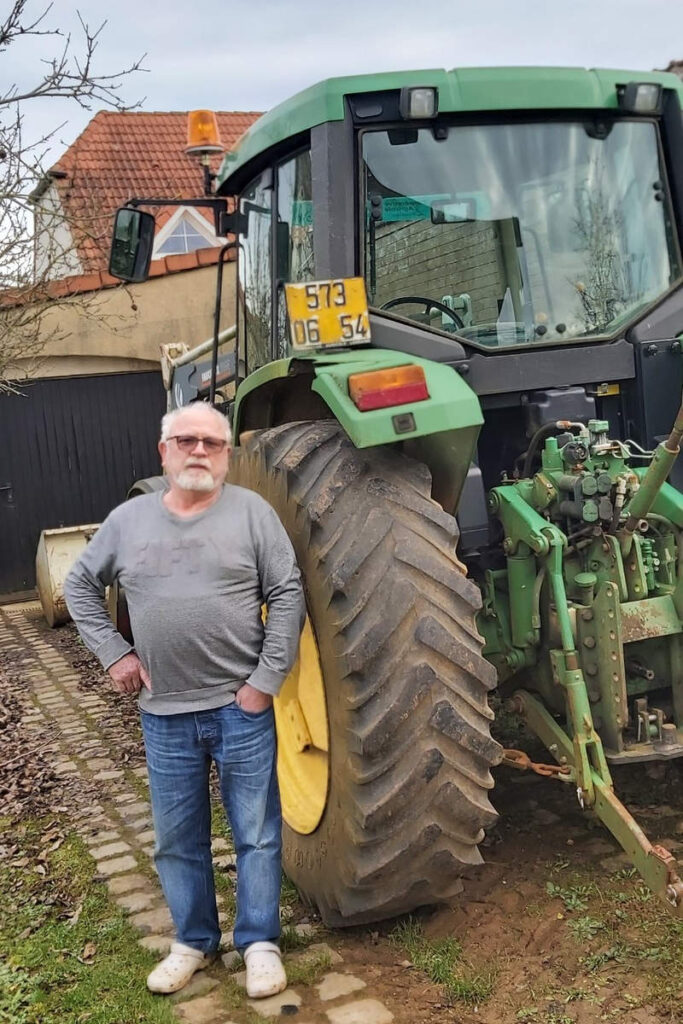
(197, 562)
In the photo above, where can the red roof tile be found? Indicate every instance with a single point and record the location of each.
(77, 284)
(121, 155)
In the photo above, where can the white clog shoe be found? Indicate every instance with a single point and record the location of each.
(175, 971)
(265, 973)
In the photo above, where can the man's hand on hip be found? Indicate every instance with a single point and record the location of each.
(252, 700)
(128, 675)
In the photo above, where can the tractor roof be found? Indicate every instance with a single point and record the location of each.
(461, 90)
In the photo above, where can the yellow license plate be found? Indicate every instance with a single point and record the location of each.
(325, 313)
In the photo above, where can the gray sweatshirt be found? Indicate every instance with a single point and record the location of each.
(195, 588)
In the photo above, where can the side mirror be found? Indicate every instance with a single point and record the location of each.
(131, 245)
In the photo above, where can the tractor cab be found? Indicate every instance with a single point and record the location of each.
(525, 224)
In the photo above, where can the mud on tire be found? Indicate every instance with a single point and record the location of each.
(406, 684)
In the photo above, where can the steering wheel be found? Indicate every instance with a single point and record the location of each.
(428, 304)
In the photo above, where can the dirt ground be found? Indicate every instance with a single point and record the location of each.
(555, 927)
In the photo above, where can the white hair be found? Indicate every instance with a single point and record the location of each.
(169, 419)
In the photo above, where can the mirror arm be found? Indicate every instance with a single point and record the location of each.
(224, 222)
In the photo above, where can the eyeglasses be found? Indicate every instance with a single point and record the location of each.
(187, 443)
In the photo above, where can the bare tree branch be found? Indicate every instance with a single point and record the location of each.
(69, 74)
(33, 255)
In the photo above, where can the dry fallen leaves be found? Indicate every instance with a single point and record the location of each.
(87, 957)
(74, 918)
(26, 775)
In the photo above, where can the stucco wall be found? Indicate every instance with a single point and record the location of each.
(120, 329)
(55, 254)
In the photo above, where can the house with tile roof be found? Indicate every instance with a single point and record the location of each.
(107, 327)
(117, 156)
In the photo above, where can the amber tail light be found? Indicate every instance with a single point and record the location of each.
(380, 389)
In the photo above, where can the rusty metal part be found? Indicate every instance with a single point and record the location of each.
(674, 886)
(645, 620)
(649, 721)
(520, 759)
(636, 669)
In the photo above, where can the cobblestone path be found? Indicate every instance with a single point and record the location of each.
(116, 824)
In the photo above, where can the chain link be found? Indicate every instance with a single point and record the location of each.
(520, 760)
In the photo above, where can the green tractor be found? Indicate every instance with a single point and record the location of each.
(477, 474)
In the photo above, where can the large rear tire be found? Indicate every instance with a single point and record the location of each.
(405, 683)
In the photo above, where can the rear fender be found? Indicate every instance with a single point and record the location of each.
(440, 431)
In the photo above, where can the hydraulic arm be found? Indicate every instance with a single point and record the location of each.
(583, 622)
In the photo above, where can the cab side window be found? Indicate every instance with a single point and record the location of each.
(294, 237)
(254, 273)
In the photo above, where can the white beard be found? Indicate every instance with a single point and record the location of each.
(196, 479)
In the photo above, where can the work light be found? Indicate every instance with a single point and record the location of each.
(418, 102)
(642, 97)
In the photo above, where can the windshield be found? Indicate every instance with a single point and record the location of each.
(516, 233)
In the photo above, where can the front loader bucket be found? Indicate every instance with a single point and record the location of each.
(57, 551)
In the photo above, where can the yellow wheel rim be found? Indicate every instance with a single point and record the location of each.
(303, 739)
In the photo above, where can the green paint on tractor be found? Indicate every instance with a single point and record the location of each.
(463, 90)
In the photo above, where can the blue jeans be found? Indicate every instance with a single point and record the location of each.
(179, 751)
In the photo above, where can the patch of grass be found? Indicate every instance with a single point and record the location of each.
(559, 864)
(290, 901)
(232, 994)
(642, 893)
(585, 928)
(574, 897)
(233, 998)
(638, 934)
(571, 995)
(442, 962)
(527, 1015)
(226, 890)
(224, 881)
(291, 939)
(289, 894)
(438, 958)
(471, 987)
(15, 995)
(654, 953)
(308, 967)
(68, 953)
(626, 873)
(556, 1015)
(553, 1014)
(219, 823)
(618, 954)
(138, 784)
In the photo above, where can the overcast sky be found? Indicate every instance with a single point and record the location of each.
(251, 54)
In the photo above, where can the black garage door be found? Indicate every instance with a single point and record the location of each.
(69, 450)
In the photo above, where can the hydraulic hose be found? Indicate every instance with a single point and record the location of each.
(540, 435)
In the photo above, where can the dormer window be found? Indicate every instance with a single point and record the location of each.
(185, 231)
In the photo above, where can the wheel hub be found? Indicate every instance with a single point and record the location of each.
(303, 739)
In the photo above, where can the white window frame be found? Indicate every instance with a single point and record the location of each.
(195, 219)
